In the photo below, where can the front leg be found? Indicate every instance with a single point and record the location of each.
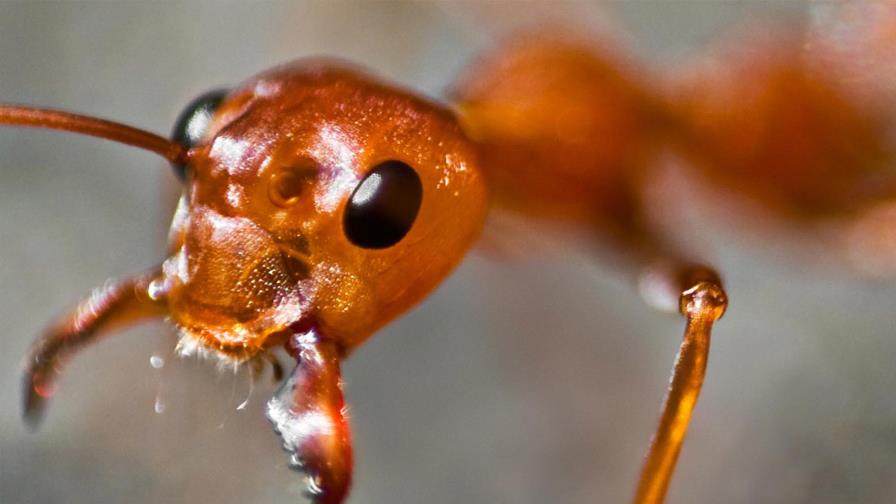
(117, 304)
(310, 415)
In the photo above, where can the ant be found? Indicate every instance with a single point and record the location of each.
(320, 203)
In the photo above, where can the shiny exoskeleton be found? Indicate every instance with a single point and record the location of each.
(320, 203)
(313, 213)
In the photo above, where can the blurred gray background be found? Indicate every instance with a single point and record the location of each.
(527, 381)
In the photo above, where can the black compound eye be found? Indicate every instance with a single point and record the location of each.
(193, 122)
(383, 207)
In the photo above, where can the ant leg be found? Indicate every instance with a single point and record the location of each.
(115, 305)
(310, 415)
(702, 302)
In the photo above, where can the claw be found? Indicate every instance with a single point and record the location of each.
(36, 390)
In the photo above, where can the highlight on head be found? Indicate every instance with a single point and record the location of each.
(284, 223)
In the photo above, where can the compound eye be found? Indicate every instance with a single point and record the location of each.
(383, 207)
(192, 124)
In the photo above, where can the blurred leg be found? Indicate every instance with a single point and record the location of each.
(702, 302)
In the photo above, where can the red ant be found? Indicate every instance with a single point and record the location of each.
(321, 203)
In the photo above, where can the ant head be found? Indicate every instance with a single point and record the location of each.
(315, 195)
